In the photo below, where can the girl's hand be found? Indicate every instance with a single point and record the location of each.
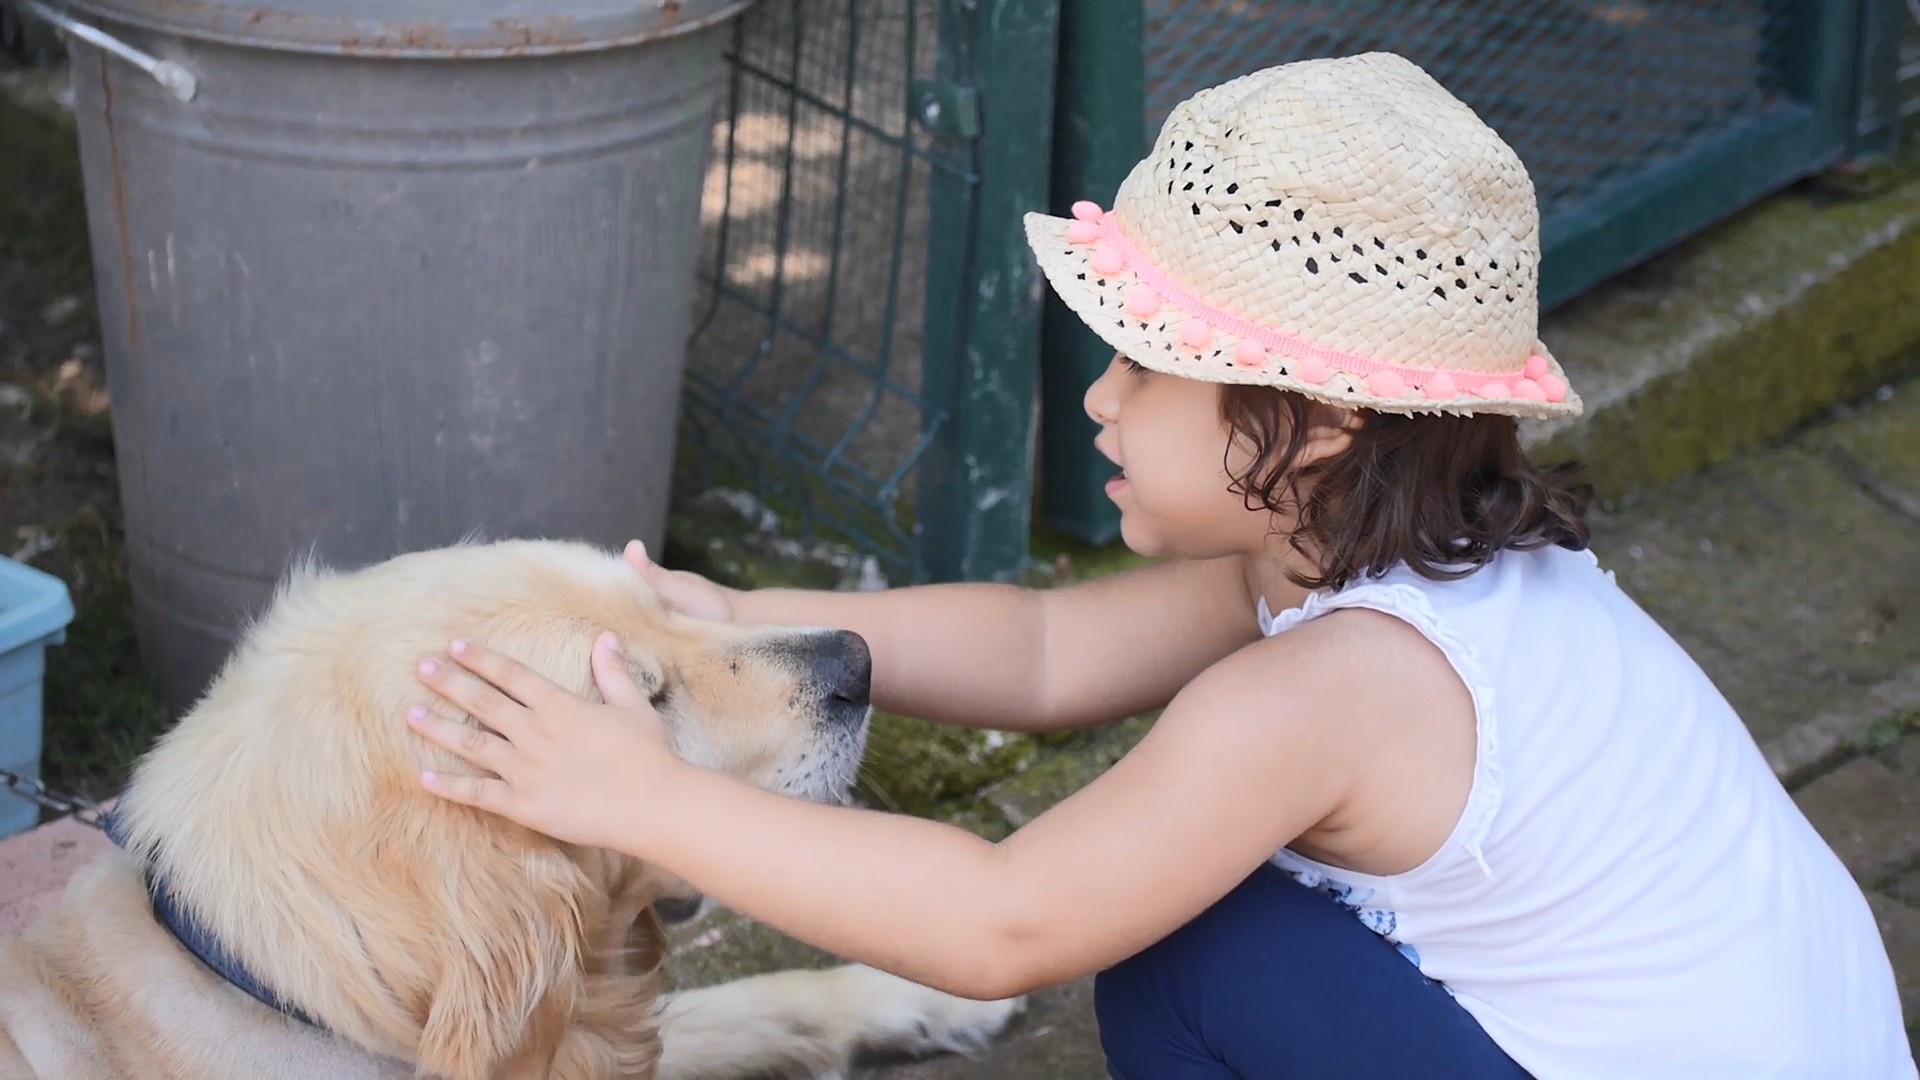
(687, 593)
(564, 767)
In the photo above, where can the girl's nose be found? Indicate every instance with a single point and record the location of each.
(1102, 400)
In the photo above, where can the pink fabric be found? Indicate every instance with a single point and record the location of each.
(35, 866)
(1313, 364)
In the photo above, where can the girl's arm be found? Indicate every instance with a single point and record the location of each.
(1000, 656)
(1255, 752)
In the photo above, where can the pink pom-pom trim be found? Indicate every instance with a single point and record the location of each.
(1387, 385)
(1312, 364)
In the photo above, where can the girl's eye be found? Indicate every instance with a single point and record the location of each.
(1132, 365)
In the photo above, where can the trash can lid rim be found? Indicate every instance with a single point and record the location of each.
(416, 29)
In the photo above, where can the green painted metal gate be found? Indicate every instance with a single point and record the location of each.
(865, 361)
(1642, 121)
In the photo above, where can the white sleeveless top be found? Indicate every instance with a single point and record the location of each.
(1629, 893)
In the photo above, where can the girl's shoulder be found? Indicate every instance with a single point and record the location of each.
(1363, 702)
(1371, 700)
(1375, 647)
(1359, 667)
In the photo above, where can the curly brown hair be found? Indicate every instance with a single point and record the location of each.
(1441, 493)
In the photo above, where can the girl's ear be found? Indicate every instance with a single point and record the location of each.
(1330, 431)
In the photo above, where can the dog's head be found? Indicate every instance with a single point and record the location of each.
(286, 811)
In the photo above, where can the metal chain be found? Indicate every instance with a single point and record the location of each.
(80, 808)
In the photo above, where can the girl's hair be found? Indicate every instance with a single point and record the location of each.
(1441, 493)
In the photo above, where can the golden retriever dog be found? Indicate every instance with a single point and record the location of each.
(281, 829)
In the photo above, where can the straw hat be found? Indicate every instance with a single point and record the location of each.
(1342, 228)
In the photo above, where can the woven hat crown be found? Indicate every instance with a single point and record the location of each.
(1381, 217)
(1348, 212)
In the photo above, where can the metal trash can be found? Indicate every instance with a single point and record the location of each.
(377, 275)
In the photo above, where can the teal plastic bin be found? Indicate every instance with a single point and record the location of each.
(34, 612)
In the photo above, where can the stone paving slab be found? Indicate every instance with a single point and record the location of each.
(1878, 448)
(1781, 572)
(1906, 889)
(35, 866)
(1869, 811)
(1900, 929)
(1814, 746)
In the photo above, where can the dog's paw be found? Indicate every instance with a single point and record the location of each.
(817, 1022)
(897, 1016)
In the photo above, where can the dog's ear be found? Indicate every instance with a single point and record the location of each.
(508, 918)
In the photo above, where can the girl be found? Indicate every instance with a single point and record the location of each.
(1430, 796)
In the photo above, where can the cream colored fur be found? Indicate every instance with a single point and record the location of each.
(430, 939)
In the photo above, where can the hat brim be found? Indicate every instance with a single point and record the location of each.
(1155, 343)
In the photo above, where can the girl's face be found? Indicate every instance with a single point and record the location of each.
(1174, 453)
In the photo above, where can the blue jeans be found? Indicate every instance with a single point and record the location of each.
(1275, 980)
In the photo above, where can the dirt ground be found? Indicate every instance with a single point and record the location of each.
(59, 507)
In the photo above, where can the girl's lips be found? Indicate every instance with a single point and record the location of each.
(1114, 485)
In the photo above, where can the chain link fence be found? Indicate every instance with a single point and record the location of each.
(1589, 93)
(805, 396)
(840, 386)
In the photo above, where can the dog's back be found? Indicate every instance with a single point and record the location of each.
(96, 990)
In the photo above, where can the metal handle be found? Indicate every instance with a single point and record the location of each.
(179, 82)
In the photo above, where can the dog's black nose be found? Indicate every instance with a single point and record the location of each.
(843, 665)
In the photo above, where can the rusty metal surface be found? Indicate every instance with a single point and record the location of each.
(415, 29)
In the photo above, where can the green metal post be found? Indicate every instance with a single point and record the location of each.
(1823, 67)
(981, 358)
(1877, 130)
(1099, 133)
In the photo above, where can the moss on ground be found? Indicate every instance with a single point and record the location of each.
(1887, 733)
(917, 767)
